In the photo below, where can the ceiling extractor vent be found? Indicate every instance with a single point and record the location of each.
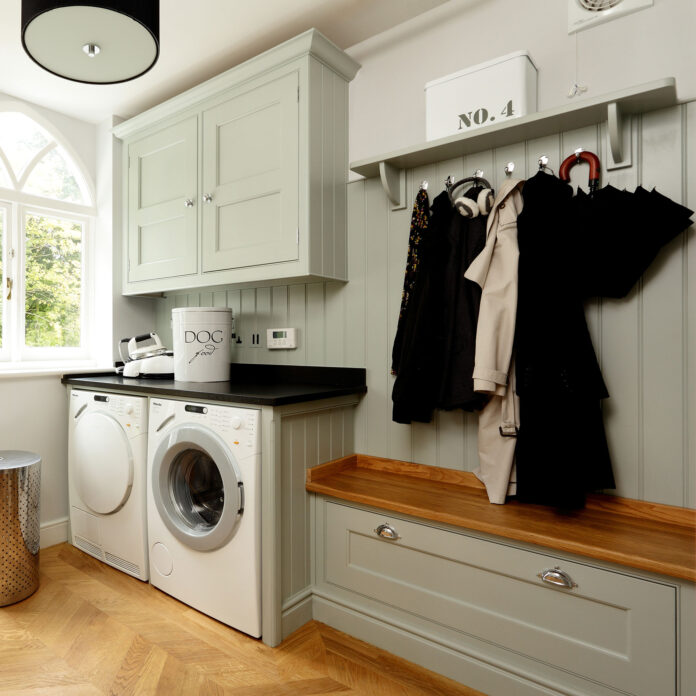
(599, 5)
(583, 14)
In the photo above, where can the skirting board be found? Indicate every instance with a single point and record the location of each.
(54, 532)
(476, 674)
(297, 611)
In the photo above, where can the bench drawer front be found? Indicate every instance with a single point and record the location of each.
(611, 628)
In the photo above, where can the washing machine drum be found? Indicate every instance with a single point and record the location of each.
(197, 487)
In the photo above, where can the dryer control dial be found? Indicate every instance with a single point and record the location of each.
(236, 422)
(129, 408)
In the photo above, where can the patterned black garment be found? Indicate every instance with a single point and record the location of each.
(573, 248)
(419, 226)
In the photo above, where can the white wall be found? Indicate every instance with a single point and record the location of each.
(117, 316)
(35, 418)
(387, 100)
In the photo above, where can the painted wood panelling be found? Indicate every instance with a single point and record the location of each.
(646, 343)
(307, 440)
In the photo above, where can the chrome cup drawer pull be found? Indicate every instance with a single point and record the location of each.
(557, 578)
(386, 531)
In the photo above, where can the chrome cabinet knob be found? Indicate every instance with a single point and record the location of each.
(557, 578)
(207, 197)
(189, 202)
(386, 531)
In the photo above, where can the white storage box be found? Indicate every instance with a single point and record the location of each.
(482, 95)
(202, 343)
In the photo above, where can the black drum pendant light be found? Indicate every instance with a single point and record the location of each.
(91, 41)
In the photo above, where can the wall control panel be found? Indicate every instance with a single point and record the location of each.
(281, 338)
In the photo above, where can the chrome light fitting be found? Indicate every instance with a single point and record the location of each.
(99, 43)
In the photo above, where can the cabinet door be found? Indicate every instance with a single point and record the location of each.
(162, 203)
(250, 162)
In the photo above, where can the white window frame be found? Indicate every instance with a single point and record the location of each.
(7, 272)
(15, 355)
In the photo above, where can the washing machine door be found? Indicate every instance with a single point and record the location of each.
(197, 487)
(102, 463)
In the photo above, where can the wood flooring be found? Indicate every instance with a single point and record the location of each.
(91, 630)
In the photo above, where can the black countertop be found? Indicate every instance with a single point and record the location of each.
(266, 385)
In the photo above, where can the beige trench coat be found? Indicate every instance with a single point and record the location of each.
(495, 271)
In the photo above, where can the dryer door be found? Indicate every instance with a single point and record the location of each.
(197, 487)
(102, 463)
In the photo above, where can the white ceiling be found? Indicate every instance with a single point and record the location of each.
(197, 41)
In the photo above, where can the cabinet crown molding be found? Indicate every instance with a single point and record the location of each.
(312, 42)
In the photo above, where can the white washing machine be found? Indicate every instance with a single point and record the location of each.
(107, 463)
(204, 508)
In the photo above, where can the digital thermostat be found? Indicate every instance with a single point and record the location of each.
(281, 338)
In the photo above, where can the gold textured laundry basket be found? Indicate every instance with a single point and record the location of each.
(20, 489)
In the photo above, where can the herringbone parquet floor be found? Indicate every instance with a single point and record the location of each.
(91, 630)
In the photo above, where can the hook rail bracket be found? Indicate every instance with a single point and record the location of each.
(394, 184)
(619, 150)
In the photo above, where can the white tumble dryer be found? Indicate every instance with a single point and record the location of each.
(204, 514)
(107, 461)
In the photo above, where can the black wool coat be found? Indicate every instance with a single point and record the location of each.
(573, 248)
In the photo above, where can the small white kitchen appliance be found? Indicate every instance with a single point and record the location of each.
(145, 356)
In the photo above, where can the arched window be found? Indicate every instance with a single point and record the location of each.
(46, 213)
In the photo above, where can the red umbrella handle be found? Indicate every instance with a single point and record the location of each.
(572, 160)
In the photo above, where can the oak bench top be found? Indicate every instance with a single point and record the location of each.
(634, 533)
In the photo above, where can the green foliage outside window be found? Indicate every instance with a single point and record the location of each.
(53, 282)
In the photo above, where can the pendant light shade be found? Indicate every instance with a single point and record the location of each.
(92, 41)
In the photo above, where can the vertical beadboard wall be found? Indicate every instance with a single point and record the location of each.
(646, 343)
(307, 440)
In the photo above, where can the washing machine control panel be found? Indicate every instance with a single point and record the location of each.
(239, 427)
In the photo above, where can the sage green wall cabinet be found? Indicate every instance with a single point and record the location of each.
(241, 181)
(162, 190)
(475, 608)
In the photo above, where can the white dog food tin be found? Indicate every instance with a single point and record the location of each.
(202, 343)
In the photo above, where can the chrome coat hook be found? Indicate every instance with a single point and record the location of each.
(544, 164)
(509, 168)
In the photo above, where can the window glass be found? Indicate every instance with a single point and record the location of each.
(4, 177)
(53, 177)
(20, 139)
(53, 281)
